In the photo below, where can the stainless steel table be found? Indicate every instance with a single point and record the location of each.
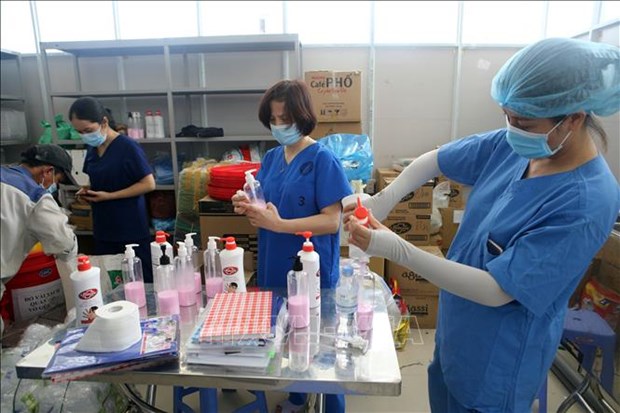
(332, 370)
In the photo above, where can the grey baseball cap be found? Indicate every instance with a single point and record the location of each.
(54, 155)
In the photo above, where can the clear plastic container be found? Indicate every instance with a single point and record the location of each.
(298, 303)
(133, 280)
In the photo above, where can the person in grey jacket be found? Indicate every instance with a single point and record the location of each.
(29, 213)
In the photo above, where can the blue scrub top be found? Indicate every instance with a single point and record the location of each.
(550, 228)
(122, 165)
(312, 181)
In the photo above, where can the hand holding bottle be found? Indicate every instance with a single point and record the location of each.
(264, 217)
(360, 235)
(240, 201)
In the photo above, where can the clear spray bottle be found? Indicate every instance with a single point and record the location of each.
(213, 273)
(133, 280)
(184, 273)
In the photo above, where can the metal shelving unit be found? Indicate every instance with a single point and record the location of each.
(12, 96)
(287, 45)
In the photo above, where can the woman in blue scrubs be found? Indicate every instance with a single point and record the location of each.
(543, 202)
(119, 175)
(303, 184)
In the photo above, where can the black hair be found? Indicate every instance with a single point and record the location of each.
(90, 109)
(593, 124)
(297, 103)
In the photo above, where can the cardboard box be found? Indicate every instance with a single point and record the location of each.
(419, 201)
(450, 220)
(422, 310)
(236, 226)
(376, 264)
(77, 157)
(329, 128)
(381, 174)
(458, 193)
(208, 205)
(81, 216)
(409, 281)
(336, 96)
(414, 228)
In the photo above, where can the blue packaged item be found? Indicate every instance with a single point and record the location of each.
(354, 153)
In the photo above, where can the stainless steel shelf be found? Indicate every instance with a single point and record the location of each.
(148, 141)
(8, 55)
(249, 138)
(190, 91)
(211, 44)
(13, 143)
(164, 187)
(12, 98)
(109, 93)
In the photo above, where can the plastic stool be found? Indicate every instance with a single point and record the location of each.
(587, 330)
(208, 401)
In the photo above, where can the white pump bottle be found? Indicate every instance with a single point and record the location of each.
(193, 253)
(184, 275)
(213, 273)
(231, 259)
(253, 189)
(312, 265)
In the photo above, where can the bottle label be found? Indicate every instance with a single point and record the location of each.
(232, 270)
(88, 294)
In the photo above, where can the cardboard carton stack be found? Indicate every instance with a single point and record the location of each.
(336, 99)
(421, 296)
(411, 217)
(452, 215)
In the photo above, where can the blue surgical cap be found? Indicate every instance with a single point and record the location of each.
(557, 76)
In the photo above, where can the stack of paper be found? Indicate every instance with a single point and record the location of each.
(159, 344)
(237, 331)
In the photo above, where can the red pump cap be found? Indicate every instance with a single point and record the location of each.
(307, 247)
(160, 237)
(83, 263)
(230, 243)
(361, 212)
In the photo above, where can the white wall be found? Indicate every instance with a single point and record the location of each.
(414, 106)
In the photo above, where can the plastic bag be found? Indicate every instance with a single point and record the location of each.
(64, 129)
(162, 168)
(353, 152)
(441, 199)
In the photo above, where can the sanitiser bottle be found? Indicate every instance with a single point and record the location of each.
(133, 280)
(253, 189)
(87, 290)
(231, 259)
(184, 273)
(213, 274)
(311, 262)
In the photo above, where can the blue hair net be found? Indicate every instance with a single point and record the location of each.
(557, 76)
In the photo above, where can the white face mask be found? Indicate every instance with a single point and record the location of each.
(53, 187)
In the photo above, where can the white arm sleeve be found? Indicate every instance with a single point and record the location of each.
(417, 173)
(468, 282)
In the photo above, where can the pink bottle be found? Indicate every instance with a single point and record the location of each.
(298, 303)
(167, 295)
(133, 281)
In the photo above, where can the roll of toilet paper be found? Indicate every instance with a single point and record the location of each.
(116, 328)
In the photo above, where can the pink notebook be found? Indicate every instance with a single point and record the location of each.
(235, 316)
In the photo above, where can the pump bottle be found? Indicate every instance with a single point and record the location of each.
(298, 304)
(312, 266)
(149, 122)
(184, 273)
(213, 274)
(160, 239)
(167, 295)
(193, 253)
(253, 189)
(87, 289)
(133, 280)
(231, 259)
